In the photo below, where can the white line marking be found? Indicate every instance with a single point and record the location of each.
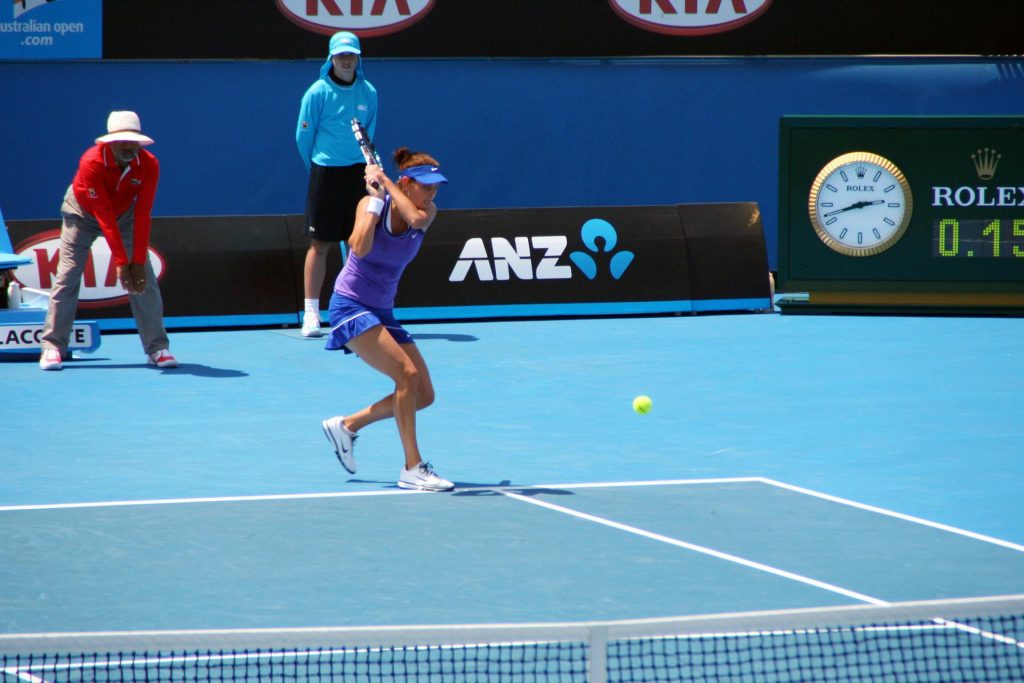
(346, 494)
(700, 549)
(613, 484)
(973, 630)
(223, 499)
(23, 674)
(897, 515)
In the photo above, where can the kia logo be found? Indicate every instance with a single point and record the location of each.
(689, 17)
(363, 17)
(100, 287)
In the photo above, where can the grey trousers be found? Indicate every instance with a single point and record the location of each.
(77, 234)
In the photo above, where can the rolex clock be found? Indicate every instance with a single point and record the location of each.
(860, 204)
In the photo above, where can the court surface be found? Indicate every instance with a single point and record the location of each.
(788, 462)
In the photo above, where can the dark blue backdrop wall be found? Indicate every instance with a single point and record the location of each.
(510, 133)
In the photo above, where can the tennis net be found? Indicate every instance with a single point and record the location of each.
(923, 642)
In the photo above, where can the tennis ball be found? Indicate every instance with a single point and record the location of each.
(642, 405)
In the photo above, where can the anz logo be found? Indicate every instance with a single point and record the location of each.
(507, 259)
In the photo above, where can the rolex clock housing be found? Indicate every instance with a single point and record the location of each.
(860, 204)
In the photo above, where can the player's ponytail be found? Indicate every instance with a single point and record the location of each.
(406, 159)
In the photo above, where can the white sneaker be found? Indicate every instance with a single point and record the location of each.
(423, 478)
(162, 359)
(50, 359)
(311, 324)
(343, 441)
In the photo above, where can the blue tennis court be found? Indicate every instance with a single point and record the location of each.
(790, 462)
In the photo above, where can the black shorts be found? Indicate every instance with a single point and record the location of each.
(334, 193)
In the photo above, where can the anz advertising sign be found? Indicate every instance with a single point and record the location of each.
(549, 262)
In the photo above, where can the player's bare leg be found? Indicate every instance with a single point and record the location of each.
(414, 390)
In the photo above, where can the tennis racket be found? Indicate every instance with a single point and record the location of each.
(366, 146)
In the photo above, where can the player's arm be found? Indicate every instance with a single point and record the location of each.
(417, 218)
(367, 215)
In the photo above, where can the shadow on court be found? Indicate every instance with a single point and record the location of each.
(447, 337)
(470, 489)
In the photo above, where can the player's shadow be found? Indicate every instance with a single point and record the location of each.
(467, 489)
(463, 488)
(447, 337)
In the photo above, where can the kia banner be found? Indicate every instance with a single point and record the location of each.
(297, 29)
(100, 286)
(685, 17)
(327, 16)
(239, 268)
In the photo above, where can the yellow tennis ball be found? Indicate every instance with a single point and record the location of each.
(642, 405)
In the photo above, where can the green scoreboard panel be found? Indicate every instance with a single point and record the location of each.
(902, 212)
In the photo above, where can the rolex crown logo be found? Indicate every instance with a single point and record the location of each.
(860, 171)
(985, 162)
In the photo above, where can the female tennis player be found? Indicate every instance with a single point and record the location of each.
(389, 228)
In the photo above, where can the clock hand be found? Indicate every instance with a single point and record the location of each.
(855, 205)
(851, 206)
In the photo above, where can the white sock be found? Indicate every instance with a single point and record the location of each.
(312, 305)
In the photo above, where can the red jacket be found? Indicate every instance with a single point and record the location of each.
(106, 192)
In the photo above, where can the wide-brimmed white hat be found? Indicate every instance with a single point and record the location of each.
(125, 126)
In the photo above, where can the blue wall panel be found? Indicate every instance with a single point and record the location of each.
(510, 133)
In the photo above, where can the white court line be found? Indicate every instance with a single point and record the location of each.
(654, 482)
(975, 631)
(897, 515)
(347, 494)
(701, 549)
(221, 499)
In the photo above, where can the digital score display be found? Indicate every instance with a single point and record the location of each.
(978, 238)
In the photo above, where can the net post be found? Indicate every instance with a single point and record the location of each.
(597, 655)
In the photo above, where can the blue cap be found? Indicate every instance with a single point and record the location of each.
(344, 41)
(426, 174)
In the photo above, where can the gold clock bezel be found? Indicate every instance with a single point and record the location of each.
(826, 171)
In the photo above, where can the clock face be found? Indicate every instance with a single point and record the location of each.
(860, 204)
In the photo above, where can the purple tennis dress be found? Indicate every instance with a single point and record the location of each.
(364, 292)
